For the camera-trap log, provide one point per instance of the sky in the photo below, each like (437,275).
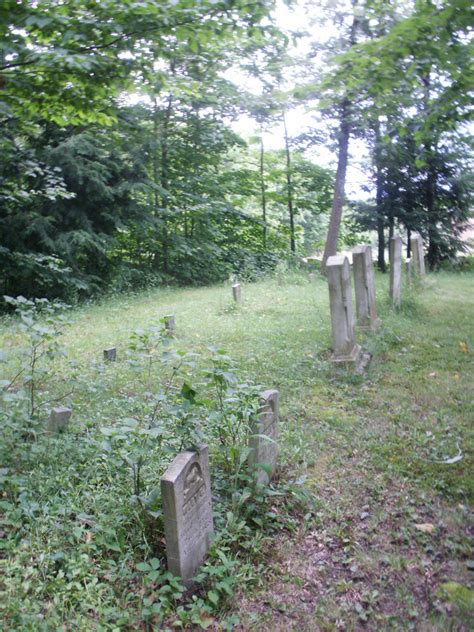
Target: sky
(299,120)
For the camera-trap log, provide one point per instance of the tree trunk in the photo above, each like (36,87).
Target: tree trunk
(263,190)
(338,199)
(379,202)
(289,185)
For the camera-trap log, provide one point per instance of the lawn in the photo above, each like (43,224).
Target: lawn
(367,525)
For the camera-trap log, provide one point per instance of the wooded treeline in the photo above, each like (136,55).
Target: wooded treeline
(119,167)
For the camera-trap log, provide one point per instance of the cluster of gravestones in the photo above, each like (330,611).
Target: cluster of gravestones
(345,348)
(186,484)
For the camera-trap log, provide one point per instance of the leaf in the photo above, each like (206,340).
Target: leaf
(213,597)
(188,393)
(462,346)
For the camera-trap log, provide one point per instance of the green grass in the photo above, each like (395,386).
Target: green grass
(373,444)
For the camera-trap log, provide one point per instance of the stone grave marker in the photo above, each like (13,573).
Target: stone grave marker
(170,323)
(110,354)
(187,508)
(236,292)
(396,270)
(338,273)
(264,451)
(364,284)
(409,271)
(418,254)
(59,418)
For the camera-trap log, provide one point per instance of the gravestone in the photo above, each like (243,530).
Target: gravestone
(396,270)
(312,277)
(170,323)
(59,418)
(417,254)
(338,273)
(187,508)
(264,451)
(236,292)
(364,285)
(110,354)
(409,271)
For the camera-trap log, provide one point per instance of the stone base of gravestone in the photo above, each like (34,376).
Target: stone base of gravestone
(59,419)
(363,362)
(353,358)
(187,510)
(263,441)
(110,354)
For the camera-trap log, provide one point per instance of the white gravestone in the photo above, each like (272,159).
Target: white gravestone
(418,254)
(364,285)
(110,354)
(236,292)
(170,323)
(59,418)
(187,508)
(263,441)
(409,271)
(396,270)
(338,273)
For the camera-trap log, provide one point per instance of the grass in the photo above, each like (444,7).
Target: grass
(374,450)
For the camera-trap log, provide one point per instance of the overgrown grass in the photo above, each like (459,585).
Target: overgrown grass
(75,538)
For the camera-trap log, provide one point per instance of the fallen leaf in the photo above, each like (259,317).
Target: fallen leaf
(462,346)
(425,527)
(433,374)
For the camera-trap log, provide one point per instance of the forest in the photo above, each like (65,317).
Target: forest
(120,167)
(236,298)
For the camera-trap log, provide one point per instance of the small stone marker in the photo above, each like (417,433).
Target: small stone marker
(409,271)
(396,270)
(110,354)
(364,285)
(187,508)
(418,254)
(312,277)
(338,272)
(236,292)
(265,451)
(59,418)
(170,323)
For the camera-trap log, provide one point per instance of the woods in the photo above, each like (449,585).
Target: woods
(120,167)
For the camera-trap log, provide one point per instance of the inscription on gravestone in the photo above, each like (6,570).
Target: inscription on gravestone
(265,450)
(187,508)
(338,273)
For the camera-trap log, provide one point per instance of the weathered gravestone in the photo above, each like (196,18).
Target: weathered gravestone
(409,271)
(110,354)
(418,254)
(263,441)
(170,323)
(338,273)
(59,418)
(396,270)
(236,292)
(364,285)
(187,508)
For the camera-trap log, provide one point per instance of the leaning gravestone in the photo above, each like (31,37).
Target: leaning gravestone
(110,354)
(187,508)
(396,270)
(236,292)
(59,418)
(170,323)
(263,441)
(418,254)
(364,285)
(338,273)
